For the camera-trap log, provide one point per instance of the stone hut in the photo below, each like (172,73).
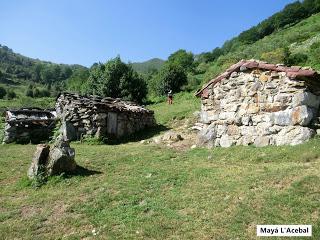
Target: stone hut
(28,125)
(100,117)
(254,102)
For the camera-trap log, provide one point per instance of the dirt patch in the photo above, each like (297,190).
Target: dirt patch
(30,211)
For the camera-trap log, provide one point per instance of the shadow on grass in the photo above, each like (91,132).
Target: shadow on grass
(82,172)
(41,179)
(140,135)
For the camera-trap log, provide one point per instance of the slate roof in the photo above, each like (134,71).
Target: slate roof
(106,103)
(292,72)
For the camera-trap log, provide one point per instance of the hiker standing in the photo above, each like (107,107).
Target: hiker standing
(170,97)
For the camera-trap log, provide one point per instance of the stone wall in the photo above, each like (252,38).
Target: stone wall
(254,106)
(28,125)
(100,117)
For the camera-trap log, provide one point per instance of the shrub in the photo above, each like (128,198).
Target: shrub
(3,92)
(29,93)
(11,94)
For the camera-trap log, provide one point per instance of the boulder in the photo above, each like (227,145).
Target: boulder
(39,161)
(48,162)
(61,159)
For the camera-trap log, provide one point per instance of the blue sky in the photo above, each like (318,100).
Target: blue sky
(84,32)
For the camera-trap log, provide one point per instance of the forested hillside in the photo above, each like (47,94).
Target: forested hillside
(148,66)
(14,66)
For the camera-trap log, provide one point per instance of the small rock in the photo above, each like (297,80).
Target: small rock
(172,136)
(193,146)
(157,139)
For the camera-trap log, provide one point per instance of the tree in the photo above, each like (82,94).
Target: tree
(170,77)
(3,92)
(116,79)
(182,58)
(292,13)
(133,87)
(311,6)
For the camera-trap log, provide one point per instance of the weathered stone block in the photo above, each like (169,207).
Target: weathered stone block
(301,115)
(226,141)
(221,129)
(253,108)
(227,116)
(262,141)
(207,135)
(306,98)
(293,135)
(204,117)
(246,120)
(233,130)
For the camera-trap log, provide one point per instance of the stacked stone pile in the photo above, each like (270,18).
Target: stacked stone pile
(261,104)
(90,116)
(28,125)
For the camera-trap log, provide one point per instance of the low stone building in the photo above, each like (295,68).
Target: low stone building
(100,117)
(254,102)
(28,125)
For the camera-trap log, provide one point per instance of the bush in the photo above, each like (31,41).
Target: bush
(11,94)
(297,59)
(29,93)
(276,56)
(3,92)
(36,93)
(39,93)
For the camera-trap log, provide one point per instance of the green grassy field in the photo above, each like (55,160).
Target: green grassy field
(145,191)
(149,192)
(184,105)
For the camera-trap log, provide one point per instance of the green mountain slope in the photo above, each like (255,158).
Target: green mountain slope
(295,45)
(144,67)
(16,69)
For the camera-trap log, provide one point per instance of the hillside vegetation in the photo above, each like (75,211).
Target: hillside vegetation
(148,66)
(295,45)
